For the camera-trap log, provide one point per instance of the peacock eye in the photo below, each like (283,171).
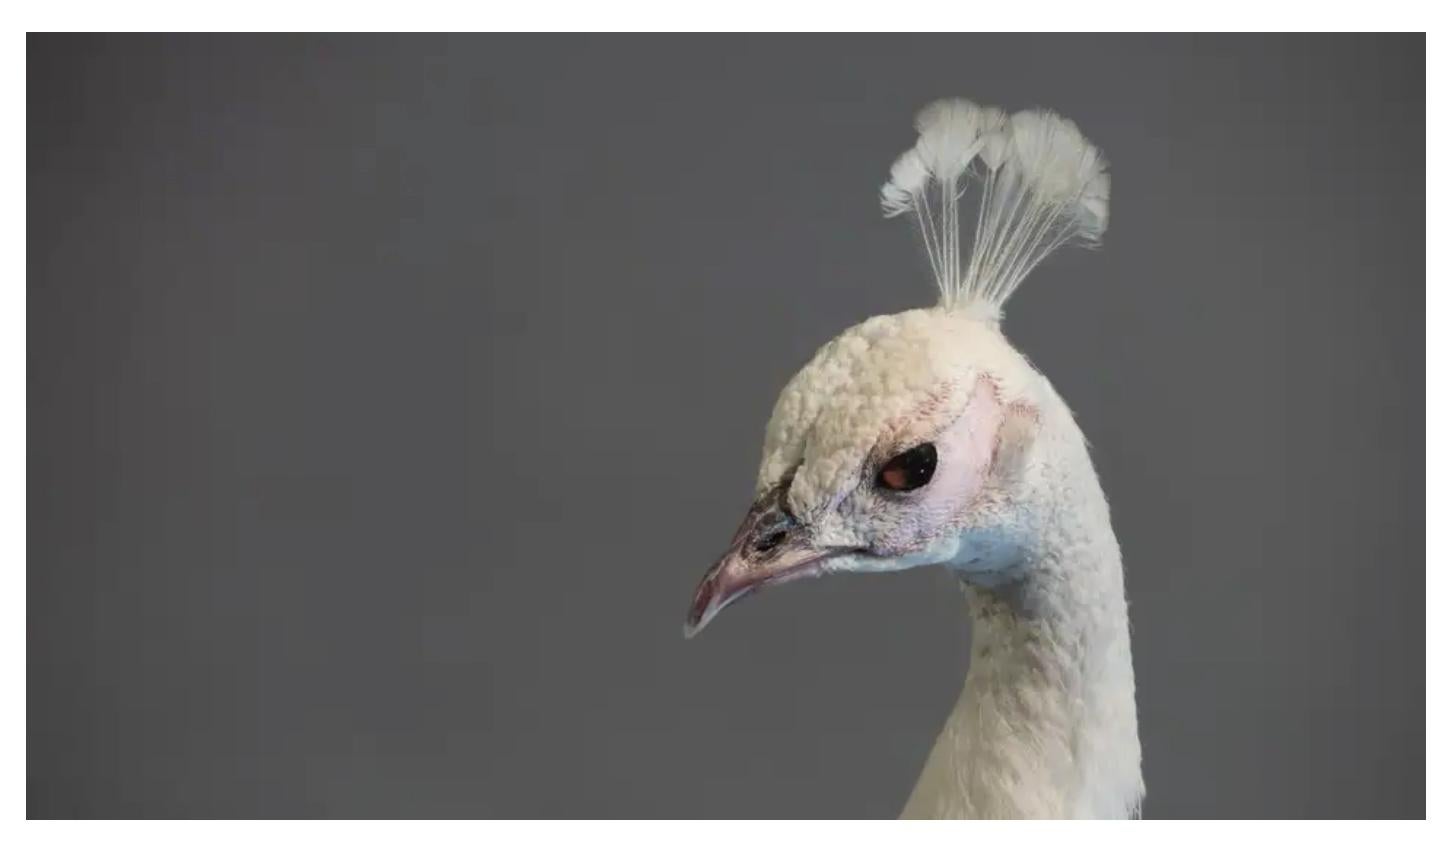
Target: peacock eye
(909,470)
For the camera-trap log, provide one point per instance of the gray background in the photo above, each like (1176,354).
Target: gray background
(388,396)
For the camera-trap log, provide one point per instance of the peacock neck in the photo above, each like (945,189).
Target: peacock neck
(1046,725)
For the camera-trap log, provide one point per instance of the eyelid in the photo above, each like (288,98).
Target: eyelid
(896,443)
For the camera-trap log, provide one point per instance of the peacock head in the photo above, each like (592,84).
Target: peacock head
(920,438)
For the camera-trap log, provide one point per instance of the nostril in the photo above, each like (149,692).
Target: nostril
(770,541)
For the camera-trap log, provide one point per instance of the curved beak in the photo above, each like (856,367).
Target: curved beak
(770,547)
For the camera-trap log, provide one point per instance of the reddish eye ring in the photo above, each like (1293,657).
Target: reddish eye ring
(909,470)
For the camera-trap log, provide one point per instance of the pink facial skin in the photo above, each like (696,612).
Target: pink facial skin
(966,448)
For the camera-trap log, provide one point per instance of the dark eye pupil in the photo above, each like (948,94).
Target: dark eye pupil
(911,469)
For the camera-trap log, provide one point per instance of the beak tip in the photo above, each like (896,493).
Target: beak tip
(696,621)
(703,606)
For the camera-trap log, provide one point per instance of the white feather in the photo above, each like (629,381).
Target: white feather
(909,176)
(1040,185)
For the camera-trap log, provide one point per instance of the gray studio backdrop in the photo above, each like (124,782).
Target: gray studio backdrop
(388,396)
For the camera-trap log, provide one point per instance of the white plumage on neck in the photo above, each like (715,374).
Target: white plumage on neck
(1046,724)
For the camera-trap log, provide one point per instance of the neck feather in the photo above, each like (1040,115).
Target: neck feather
(1046,724)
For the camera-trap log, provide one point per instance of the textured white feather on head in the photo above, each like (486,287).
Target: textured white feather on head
(943,375)
(913,439)
(880,387)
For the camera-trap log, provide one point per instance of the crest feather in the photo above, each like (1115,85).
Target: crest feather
(1039,184)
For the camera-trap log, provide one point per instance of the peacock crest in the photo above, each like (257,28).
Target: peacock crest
(1039,184)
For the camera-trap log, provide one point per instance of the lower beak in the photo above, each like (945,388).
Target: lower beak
(770,547)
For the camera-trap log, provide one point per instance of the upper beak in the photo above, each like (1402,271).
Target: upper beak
(770,547)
